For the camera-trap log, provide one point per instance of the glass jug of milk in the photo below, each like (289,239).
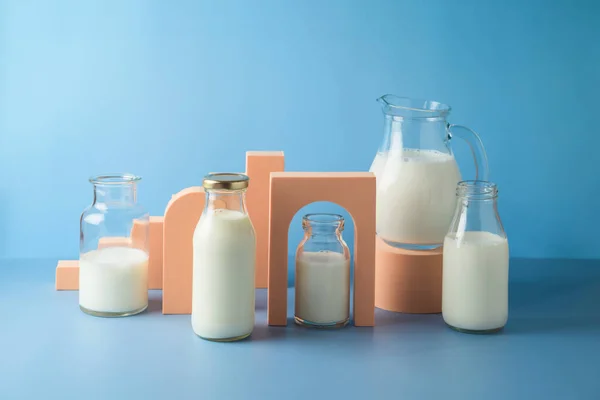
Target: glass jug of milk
(224,247)
(475,278)
(322,273)
(416,172)
(113,260)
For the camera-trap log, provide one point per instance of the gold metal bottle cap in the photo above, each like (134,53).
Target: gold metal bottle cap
(226,181)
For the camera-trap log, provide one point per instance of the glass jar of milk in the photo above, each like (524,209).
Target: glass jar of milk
(475,262)
(322,273)
(224,262)
(417,173)
(113,261)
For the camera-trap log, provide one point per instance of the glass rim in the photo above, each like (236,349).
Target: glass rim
(114,178)
(323,218)
(477,189)
(414,104)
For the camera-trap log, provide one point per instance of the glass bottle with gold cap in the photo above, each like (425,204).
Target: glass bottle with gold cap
(224,262)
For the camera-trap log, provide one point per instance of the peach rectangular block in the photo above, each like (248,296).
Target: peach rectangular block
(259,165)
(153,240)
(290,191)
(67,275)
(115,241)
(139,234)
(67,271)
(155,263)
(138,239)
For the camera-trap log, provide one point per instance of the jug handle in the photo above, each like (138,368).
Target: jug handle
(476,145)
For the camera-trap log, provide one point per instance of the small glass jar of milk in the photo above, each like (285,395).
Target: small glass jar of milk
(475,262)
(322,273)
(113,261)
(224,261)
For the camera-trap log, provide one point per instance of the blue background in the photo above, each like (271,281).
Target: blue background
(172,90)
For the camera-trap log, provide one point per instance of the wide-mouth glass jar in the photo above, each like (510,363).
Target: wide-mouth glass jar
(113,260)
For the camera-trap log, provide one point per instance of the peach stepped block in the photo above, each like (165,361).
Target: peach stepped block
(67,275)
(66,269)
(182,215)
(290,191)
(408,281)
(259,165)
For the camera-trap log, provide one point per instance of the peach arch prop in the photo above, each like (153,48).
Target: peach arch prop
(181,216)
(355,191)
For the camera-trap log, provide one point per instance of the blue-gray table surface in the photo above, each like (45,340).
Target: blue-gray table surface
(550,348)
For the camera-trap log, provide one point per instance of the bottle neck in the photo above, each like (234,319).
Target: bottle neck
(234,200)
(323,227)
(125,193)
(473,205)
(477,208)
(478,215)
(323,234)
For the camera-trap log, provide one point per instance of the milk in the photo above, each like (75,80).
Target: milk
(322,287)
(415,196)
(475,281)
(223,275)
(114,280)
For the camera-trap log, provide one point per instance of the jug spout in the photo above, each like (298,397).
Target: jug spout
(386,99)
(406,107)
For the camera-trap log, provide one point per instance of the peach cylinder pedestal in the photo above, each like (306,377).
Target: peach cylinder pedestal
(408,281)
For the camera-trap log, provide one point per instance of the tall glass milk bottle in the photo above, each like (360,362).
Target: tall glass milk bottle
(322,273)
(224,261)
(417,173)
(113,261)
(475,262)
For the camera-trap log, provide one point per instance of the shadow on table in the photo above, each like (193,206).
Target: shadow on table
(308,335)
(154,302)
(554,296)
(540,325)
(543,281)
(261,300)
(386,324)
(545,296)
